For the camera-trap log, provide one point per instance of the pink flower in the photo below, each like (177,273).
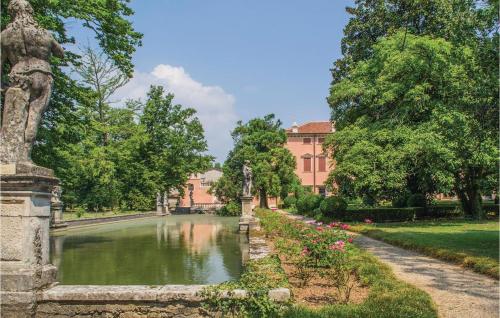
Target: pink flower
(319,228)
(338,246)
(350,240)
(305,251)
(344,226)
(319,223)
(368,221)
(333,224)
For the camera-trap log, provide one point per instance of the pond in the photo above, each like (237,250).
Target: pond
(176,249)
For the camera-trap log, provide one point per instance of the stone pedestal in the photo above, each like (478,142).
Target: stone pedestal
(246,214)
(25,192)
(56,216)
(159,210)
(165,210)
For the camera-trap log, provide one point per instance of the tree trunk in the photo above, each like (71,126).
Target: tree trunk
(470,196)
(263,199)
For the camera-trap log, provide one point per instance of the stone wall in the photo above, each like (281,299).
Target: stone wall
(128,301)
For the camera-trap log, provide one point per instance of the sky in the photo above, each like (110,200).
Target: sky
(236,60)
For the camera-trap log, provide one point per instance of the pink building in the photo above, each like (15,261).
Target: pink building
(305,142)
(199,184)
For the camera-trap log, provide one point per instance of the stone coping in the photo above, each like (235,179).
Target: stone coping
(89,221)
(138,293)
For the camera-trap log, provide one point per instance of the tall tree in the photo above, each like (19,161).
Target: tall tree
(458,21)
(101,74)
(176,145)
(261,142)
(426,112)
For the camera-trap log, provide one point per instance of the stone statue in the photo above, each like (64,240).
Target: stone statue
(56,195)
(165,199)
(191,198)
(27,47)
(158,199)
(247,179)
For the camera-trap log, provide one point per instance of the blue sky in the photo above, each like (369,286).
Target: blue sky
(235,60)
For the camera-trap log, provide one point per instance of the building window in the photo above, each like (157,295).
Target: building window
(307,141)
(321,164)
(307,164)
(321,140)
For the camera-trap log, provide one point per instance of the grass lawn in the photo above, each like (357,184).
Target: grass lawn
(68,216)
(472,244)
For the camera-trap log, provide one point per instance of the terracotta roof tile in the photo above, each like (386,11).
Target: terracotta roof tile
(315,127)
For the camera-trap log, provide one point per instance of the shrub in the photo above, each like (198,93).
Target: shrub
(289,202)
(416,200)
(230,209)
(400,201)
(333,206)
(380,214)
(308,202)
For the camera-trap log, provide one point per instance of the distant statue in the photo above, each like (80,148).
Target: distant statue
(191,198)
(27,47)
(158,199)
(56,195)
(247,179)
(165,199)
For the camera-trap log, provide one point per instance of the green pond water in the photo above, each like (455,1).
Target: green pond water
(177,249)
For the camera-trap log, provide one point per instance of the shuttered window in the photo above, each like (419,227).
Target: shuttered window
(307,164)
(321,164)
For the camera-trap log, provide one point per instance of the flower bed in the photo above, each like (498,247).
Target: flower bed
(357,285)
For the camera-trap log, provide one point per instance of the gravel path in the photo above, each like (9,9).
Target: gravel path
(456,291)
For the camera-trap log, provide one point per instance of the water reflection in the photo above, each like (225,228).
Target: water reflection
(180,249)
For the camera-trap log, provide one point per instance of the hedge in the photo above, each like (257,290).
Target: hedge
(380,214)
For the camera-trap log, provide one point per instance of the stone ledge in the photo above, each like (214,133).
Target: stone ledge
(138,293)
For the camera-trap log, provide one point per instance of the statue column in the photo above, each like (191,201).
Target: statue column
(56,209)
(25,189)
(25,195)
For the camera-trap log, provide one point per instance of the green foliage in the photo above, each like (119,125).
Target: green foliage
(332,206)
(423,119)
(308,203)
(259,277)
(230,209)
(378,214)
(417,200)
(260,141)
(289,202)
(416,104)
(142,154)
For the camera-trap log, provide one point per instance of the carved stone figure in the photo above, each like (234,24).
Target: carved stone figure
(158,199)
(56,195)
(247,179)
(165,199)
(27,47)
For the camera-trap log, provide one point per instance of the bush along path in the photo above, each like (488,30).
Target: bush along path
(456,291)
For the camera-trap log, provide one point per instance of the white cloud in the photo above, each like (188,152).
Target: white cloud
(214,106)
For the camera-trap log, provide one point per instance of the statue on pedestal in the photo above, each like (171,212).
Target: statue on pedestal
(28,48)
(26,190)
(247,179)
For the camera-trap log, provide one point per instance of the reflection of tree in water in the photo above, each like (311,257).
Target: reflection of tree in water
(181,252)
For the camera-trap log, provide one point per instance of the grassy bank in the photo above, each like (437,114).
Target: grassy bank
(387,297)
(474,245)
